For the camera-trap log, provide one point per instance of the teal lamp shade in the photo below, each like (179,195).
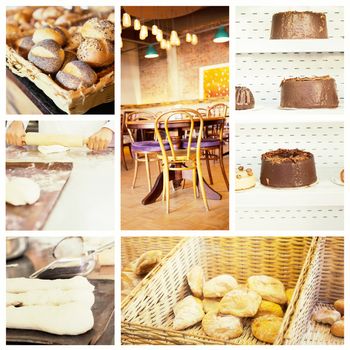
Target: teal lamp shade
(221,36)
(151,52)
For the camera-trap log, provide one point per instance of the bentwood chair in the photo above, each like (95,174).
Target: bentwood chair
(142,151)
(184,159)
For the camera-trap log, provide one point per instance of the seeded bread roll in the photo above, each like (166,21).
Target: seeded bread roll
(75,75)
(24,45)
(98,29)
(96,53)
(53,33)
(47,55)
(74,41)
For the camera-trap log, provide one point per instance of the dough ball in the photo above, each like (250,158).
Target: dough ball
(22,191)
(52,149)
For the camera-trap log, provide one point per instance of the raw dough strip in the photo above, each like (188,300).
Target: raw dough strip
(67,319)
(21,285)
(38,139)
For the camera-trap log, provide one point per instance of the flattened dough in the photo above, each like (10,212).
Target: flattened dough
(67,319)
(52,149)
(21,191)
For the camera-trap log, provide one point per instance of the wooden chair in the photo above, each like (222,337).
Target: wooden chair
(122,143)
(142,151)
(176,159)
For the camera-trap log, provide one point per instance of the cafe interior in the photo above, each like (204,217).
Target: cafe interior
(174,117)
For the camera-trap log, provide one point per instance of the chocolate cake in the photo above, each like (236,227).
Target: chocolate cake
(244,98)
(299,25)
(314,92)
(287,168)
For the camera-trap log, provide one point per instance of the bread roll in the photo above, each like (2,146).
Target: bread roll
(74,41)
(211,304)
(195,279)
(326,316)
(42,14)
(218,286)
(188,312)
(96,28)
(339,306)
(47,55)
(24,45)
(337,329)
(69,56)
(222,326)
(67,19)
(53,33)
(289,294)
(269,288)
(76,75)
(269,308)
(265,328)
(147,261)
(111,17)
(13,32)
(22,17)
(96,53)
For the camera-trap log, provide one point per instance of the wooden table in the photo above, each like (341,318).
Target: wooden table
(178,125)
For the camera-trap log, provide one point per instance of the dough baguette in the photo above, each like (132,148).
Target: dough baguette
(218,286)
(195,279)
(51,297)
(21,284)
(39,139)
(67,319)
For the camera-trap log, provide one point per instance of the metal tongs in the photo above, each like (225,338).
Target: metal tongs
(71,260)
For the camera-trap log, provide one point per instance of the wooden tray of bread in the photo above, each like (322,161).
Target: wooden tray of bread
(51,178)
(103,312)
(68,54)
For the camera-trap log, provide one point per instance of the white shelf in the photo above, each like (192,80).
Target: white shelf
(307,45)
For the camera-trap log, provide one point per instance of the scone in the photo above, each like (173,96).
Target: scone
(211,304)
(195,279)
(245,179)
(147,261)
(188,312)
(218,286)
(269,288)
(222,326)
(240,302)
(269,308)
(265,328)
(326,316)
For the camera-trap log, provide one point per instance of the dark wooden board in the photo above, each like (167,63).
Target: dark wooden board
(103,311)
(51,177)
(44,103)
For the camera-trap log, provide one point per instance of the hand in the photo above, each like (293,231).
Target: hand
(100,140)
(15,134)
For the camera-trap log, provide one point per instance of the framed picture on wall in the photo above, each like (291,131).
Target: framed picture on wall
(214,81)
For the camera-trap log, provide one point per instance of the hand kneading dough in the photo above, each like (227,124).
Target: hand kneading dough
(67,319)
(147,261)
(269,308)
(52,149)
(21,284)
(51,297)
(266,328)
(195,279)
(269,288)
(188,312)
(326,316)
(218,286)
(222,326)
(240,302)
(21,191)
(211,304)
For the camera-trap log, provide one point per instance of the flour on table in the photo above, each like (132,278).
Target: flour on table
(21,191)
(52,149)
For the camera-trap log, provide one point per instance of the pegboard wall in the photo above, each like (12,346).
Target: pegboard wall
(324,140)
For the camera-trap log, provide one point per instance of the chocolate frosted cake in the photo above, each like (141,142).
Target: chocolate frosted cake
(314,92)
(244,98)
(299,25)
(287,168)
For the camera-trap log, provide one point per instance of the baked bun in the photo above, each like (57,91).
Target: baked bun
(67,19)
(289,294)
(24,45)
(22,17)
(42,13)
(13,32)
(69,56)
(98,29)
(218,286)
(326,316)
(269,288)
(337,329)
(53,33)
(195,279)
(47,55)
(188,312)
(269,308)
(339,306)
(147,261)
(265,328)
(222,326)
(74,41)
(111,17)
(96,53)
(211,304)
(75,75)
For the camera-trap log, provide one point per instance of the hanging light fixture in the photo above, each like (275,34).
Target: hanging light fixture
(168,45)
(178,42)
(163,44)
(151,52)
(154,29)
(143,32)
(221,35)
(159,35)
(194,39)
(173,37)
(188,37)
(137,24)
(126,20)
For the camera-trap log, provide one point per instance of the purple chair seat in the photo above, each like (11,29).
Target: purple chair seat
(205,143)
(148,146)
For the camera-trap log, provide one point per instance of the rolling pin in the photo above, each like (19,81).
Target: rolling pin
(37,139)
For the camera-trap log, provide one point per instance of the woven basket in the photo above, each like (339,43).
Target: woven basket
(324,283)
(147,317)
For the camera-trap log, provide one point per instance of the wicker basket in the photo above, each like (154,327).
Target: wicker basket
(324,283)
(147,317)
